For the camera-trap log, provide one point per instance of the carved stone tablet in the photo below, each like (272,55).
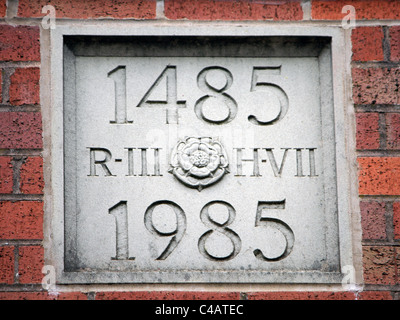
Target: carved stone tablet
(200,159)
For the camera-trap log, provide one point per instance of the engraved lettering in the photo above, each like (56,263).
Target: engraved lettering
(221,228)
(274,223)
(256,171)
(120,212)
(119,76)
(102,163)
(311,156)
(218,228)
(144,161)
(215,98)
(157,162)
(239,163)
(257,85)
(171,101)
(311,159)
(176,234)
(189,163)
(130,162)
(277,171)
(299,163)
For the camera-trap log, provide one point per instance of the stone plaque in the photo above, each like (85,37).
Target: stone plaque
(199,159)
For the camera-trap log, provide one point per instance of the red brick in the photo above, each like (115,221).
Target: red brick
(396,219)
(69,296)
(376,86)
(233,10)
(380,265)
(42,295)
(3,8)
(365,9)
(21,220)
(21,130)
(6,175)
(394,35)
(393,131)
(31,176)
(167,295)
(30,264)
(301,295)
(7,265)
(19,43)
(368,136)
(397,257)
(19,295)
(375,295)
(24,87)
(90,9)
(379,175)
(373,220)
(1,86)
(367,44)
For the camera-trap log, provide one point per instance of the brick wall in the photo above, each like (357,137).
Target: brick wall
(376,96)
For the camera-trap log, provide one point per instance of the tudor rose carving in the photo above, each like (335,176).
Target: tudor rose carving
(198,162)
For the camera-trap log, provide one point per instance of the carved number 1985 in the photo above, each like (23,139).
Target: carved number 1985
(120,212)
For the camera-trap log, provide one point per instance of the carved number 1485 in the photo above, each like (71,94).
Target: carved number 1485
(120,212)
(118,75)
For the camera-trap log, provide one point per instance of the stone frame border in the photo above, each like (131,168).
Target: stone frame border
(52,104)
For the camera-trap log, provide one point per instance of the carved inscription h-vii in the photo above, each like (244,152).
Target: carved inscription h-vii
(200,162)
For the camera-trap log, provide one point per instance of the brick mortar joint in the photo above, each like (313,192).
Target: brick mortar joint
(20,197)
(386,43)
(17,162)
(37,21)
(375,64)
(11,9)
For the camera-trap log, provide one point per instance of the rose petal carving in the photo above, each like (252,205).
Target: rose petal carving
(198,162)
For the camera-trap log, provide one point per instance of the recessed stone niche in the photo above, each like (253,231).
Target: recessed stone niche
(199,155)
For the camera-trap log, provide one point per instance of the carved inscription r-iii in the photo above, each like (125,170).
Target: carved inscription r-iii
(102,162)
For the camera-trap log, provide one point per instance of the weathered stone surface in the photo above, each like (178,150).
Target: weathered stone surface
(199,160)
